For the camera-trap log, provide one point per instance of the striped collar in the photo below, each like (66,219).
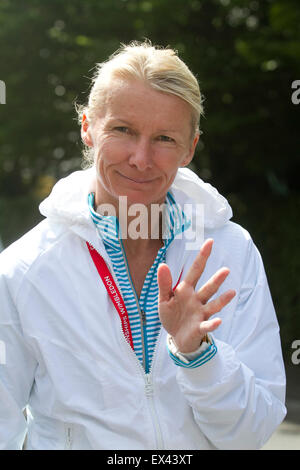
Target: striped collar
(175,222)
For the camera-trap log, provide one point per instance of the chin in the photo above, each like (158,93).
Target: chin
(138,197)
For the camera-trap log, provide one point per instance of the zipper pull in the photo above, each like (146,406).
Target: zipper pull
(148,385)
(144,320)
(69,438)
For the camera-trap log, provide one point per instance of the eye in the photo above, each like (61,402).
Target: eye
(165,138)
(122,129)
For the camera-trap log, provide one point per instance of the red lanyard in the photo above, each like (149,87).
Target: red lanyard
(113,291)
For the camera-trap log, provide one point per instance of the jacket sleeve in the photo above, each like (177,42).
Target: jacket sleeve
(238,396)
(17,368)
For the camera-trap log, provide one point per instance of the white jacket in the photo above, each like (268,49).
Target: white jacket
(67,360)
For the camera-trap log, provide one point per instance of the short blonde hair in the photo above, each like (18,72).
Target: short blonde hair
(160,67)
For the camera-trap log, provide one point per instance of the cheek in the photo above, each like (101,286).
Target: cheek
(109,153)
(168,162)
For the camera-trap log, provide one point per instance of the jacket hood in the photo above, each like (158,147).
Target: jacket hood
(217,211)
(67,202)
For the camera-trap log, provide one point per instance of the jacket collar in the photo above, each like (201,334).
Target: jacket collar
(67,203)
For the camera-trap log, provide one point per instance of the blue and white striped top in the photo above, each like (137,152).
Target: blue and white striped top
(143,312)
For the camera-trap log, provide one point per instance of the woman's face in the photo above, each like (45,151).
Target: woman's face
(140,139)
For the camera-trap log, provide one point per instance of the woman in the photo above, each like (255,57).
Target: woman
(111,337)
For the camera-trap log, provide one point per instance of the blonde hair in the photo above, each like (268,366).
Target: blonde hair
(161,68)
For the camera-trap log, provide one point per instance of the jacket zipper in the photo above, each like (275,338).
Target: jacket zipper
(142,314)
(69,437)
(147,376)
(149,394)
(149,391)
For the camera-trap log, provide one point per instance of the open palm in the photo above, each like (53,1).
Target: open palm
(185,313)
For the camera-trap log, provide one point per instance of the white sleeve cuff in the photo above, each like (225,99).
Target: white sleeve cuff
(187,357)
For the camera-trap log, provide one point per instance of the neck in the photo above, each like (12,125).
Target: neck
(141,225)
(140,246)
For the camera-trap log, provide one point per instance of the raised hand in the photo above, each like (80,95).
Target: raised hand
(185,313)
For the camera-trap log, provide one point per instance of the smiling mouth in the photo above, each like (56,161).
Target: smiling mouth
(136,180)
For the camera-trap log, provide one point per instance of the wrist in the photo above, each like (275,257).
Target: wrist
(186,357)
(191,347)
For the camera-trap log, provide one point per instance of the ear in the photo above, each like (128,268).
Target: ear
(85,132)
(189,156)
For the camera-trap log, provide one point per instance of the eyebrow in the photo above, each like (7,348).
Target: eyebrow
(121,120)
(168,130)
(130,124)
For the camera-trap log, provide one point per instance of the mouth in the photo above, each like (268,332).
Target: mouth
(137,180)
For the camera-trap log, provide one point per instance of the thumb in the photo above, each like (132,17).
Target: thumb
(164,281)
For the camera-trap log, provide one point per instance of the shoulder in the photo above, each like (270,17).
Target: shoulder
(235,248)
(17,259)
(231,236)
(210,216)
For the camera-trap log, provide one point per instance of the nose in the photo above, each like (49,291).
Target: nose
(141,154)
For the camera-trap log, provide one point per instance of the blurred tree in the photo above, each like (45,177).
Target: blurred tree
(245,55)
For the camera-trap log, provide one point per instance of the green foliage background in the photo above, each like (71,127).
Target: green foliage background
(245,55)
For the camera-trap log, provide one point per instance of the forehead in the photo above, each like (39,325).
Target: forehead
(138,101)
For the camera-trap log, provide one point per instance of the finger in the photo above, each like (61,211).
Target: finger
(208,326)
(216,305)
(164,281)
(212,285)
(199,264)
